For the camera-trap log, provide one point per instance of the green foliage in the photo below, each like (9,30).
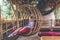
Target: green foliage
(6,10)
(58,13)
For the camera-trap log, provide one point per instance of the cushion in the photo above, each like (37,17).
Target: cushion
(49,33)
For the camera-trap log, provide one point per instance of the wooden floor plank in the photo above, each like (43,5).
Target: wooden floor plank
(51,38)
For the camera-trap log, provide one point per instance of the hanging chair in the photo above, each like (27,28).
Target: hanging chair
(27,10)
(33,12)
(30,10)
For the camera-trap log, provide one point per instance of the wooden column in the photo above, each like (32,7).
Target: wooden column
(0,25)
(17,7)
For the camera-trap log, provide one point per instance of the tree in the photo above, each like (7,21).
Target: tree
(6,9)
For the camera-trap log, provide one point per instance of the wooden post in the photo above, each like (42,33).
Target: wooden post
(6,25)
(0,25)
(17,16)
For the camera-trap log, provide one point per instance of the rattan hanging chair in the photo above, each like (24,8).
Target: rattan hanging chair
(34,12)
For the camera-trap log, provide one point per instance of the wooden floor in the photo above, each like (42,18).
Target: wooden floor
(41,38)
(28,38)
(33,37)
(51,38)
